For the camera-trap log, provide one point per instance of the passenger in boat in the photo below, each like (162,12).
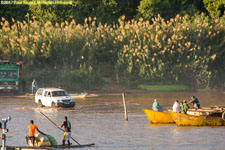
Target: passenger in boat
(67,134)
(184,107)
(176,107)
(31,134)
(194,102)
(156,106)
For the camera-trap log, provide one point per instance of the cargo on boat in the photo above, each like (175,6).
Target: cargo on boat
(213,116)
(158,117)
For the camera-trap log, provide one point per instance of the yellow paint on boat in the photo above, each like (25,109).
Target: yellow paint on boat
(158,117)
(189,120)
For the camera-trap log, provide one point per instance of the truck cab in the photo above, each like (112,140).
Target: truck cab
(10,72)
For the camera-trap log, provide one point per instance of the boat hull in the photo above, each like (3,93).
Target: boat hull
(189,120)
(158,117)
(47,147)
(78,95)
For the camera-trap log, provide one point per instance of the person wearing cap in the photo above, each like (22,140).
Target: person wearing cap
(184,107)
(156,106)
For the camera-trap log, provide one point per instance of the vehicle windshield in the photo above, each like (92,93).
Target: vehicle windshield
(59,93)
(6,74)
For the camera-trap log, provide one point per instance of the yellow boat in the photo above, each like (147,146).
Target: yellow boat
(158,117)
(199,118)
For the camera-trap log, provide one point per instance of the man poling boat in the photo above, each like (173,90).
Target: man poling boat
(67,146)
(67,128)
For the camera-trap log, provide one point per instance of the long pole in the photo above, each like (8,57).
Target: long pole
(125,108)
(57,126)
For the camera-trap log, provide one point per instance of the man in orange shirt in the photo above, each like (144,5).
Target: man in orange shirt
(31,134)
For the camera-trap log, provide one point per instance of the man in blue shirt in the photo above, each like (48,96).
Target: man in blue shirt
(34,86)
(156,106)
(195,102)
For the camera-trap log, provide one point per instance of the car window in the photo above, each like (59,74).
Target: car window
(39,92)
(46,92)
(49,94)
(59,93)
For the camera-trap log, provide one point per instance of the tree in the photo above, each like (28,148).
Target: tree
(103,10)
(215,7)
(169,8)
(52,13)
(18,12)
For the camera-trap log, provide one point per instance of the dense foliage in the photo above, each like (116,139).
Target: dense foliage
(182,50)
(153,42)
(108,11)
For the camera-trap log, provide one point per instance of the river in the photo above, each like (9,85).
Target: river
(100,120)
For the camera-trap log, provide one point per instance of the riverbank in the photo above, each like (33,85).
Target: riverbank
(112,88)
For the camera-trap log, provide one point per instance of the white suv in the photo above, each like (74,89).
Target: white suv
(53,97)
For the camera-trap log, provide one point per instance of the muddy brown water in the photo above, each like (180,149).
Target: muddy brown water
(100,120)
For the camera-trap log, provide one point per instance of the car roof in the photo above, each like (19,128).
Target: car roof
(51,89)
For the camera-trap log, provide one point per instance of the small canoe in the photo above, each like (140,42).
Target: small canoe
(84,95)
(158,117)
(48,147)
(78,95)
(209,119)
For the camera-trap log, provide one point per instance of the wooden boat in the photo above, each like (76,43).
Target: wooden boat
(158,117)
(84,95)
(200,117)
(48,147)
(78,95)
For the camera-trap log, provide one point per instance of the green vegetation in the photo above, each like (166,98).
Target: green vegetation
(169,8)
(77,80)
(175,46)
(165,87)
(34,2)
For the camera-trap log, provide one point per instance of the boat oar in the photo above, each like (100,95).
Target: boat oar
(57,126)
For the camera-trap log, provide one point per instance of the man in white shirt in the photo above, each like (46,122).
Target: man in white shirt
(176,107)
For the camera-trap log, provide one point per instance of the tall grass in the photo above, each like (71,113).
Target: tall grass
(183,50)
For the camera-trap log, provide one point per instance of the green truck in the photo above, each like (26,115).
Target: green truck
(10,75)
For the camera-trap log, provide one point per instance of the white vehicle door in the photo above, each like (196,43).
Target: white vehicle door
(47,98)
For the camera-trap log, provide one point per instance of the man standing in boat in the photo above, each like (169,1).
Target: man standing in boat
(31,134)
(67,131)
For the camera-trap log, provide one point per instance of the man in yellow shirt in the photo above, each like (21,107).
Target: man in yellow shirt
(31,134)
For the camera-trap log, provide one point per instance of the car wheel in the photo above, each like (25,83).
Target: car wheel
(53,105)
(40,103)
